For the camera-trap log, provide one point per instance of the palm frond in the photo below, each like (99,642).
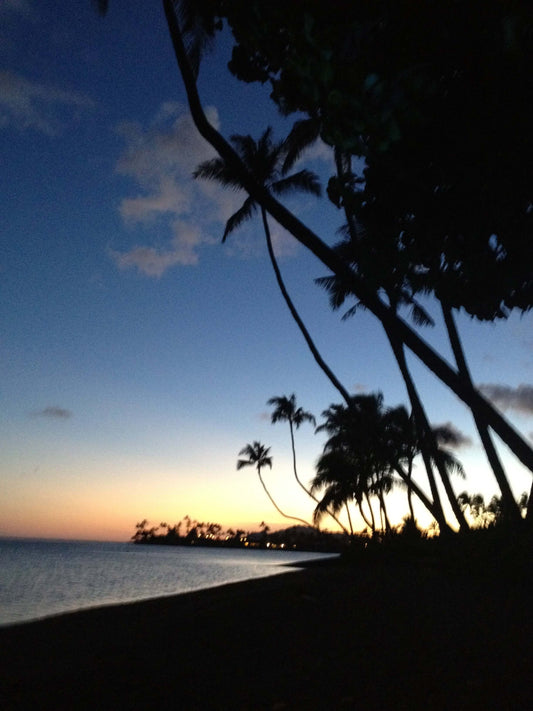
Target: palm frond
(420,316)
(246,147)
(303,134)
(216,169)
(238,218)
(338,292)
(352,311)
(300,416)
(197,30)
(304,180)
(329,502)
(452,464)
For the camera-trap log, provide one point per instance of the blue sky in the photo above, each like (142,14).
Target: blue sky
(137,352)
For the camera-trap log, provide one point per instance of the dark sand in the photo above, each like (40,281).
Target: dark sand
(394,636)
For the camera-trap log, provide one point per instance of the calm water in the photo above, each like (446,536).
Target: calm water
(40,578)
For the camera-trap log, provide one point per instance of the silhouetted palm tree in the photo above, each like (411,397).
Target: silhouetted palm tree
(367,446)
(342,482)
(356,455)
(257,456)
(285,410)
(267,162)
(429,449)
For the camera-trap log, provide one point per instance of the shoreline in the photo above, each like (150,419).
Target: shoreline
(277,570)
(328,636)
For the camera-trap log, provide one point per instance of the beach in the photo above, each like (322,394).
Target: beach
(387,635)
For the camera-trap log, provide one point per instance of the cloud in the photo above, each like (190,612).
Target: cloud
(160,159)
(448,435)
(53,412)
(153,261)
(25,104)
(284,244)
(519,399)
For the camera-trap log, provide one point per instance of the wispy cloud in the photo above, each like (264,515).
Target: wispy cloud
(519,399)
(154,261)
(160,159)
(27,104)
(53,412)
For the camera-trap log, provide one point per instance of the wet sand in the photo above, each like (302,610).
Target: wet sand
(331,636)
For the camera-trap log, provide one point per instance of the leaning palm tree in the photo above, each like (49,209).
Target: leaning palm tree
(267,161)
(182,39)
(257,455)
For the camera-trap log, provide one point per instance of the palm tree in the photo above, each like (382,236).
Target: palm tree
(257,456)
(269,164)
(335,476)
(367,446)
(356,462)
(286,411)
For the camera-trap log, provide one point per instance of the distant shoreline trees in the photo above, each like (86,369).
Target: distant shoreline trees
(190,532)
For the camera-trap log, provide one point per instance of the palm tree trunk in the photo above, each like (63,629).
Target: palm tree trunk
(422,426)
(371,510)
(349,519)
(293,518)
(364,292)
(529,511)
(415,489)
(410,489)
(388,527)
(294,313)
(363,515)
(511,511)
(309,493)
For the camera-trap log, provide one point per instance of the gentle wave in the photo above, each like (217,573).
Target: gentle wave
(39,578)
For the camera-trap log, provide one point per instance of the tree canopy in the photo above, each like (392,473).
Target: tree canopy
(438,100)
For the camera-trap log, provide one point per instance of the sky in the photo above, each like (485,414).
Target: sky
(137,352)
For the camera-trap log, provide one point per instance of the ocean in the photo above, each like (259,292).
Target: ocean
(39,578)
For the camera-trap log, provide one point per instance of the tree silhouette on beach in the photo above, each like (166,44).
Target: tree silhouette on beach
(285,410)
(453,198)
(368,450)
